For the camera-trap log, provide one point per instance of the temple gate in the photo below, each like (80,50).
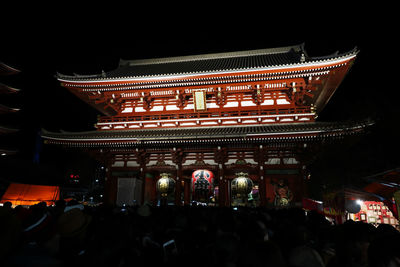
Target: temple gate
(249,112)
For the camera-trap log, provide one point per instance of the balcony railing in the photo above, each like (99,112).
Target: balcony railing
(160,116)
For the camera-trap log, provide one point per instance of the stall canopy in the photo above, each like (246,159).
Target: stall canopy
(384,184)
(27,194)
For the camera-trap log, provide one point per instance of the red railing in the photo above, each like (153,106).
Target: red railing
(199,115)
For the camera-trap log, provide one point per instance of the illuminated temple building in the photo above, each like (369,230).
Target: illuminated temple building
(248,113)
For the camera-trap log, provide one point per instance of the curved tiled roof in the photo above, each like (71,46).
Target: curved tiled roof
(177,134)
(236,54)
(208,63)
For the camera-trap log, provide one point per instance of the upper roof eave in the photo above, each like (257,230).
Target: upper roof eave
(307,62)
(336,54)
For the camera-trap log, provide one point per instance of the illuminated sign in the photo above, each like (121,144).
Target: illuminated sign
(199,100)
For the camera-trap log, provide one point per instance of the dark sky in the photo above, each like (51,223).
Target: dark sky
(368,91)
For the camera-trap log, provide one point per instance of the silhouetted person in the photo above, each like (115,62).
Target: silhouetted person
(384,250)
(7,205)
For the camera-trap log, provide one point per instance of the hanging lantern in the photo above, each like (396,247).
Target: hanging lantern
(202,182)
(165,185)
(242,185)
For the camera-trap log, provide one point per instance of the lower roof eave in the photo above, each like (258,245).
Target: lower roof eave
(213,135)
(195,141)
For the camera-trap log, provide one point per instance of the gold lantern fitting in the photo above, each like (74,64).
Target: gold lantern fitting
(242,185)
(165,185)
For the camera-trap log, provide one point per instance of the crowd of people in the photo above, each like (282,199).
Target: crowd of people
(70,234)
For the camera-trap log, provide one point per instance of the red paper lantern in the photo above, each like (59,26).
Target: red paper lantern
(202,180)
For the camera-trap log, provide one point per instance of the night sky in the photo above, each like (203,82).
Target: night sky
(368,91)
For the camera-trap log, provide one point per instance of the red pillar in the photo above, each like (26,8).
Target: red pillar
(178,186)
(143,178)
(227,199)
(111,186)
(262,188)
(187,191)
(221,188)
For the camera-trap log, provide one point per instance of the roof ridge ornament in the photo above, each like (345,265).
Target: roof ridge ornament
(302,58)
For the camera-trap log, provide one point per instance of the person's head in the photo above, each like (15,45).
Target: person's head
(260,254)
(60,203)
(72,202)
(42,204)
(7,205)
(73,224)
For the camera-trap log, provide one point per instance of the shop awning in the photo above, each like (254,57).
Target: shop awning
(383,189)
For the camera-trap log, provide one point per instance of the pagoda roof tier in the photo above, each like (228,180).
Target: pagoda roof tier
(7,70)
(6,130)
(212,135)
(5,152)
(5,109)
(5,89)
(270,58)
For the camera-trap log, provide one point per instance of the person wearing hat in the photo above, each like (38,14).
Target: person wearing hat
(144,210)
(37,226)
(72,227)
